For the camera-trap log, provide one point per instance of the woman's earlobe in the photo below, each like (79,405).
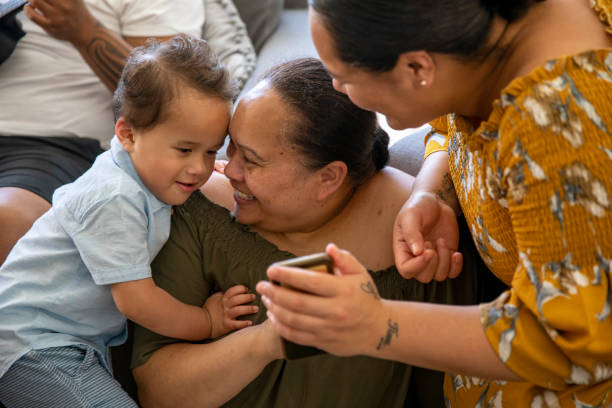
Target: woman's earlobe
(419,66)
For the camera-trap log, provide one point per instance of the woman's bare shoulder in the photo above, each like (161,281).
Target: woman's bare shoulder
(390,184)
(219,190)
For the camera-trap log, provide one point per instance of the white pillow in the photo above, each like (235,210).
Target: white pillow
(227,35)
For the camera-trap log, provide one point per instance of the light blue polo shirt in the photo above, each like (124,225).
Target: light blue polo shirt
(105,227)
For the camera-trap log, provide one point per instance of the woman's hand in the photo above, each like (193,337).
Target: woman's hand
(341,313)
(425,239)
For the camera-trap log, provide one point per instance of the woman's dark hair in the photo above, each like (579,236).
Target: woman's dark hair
(329,126)
(371,34)
(154,73)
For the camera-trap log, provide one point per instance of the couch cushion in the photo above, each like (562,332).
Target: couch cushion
(290,40)
(227,35)
(261,18)
(407,153)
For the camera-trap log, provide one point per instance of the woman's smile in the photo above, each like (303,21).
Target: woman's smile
(241,197)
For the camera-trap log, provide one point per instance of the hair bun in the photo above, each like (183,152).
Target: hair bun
(380,148)
(509,10)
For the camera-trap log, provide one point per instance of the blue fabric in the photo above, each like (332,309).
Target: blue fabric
(104,228)
(61,377)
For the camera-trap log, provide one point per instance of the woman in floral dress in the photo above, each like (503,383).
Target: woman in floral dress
(523,148)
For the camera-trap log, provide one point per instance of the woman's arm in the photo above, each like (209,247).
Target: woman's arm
(425,233)
(348,318)
(206,375)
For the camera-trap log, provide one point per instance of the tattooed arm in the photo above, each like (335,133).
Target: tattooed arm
(348,317)
(69,20)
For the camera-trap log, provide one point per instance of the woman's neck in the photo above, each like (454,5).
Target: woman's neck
(549,30)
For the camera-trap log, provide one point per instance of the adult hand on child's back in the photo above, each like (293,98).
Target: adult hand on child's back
(61,19)
(225,308)
(425,240)
(341,313)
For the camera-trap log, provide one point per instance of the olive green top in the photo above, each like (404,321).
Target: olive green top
(209,251)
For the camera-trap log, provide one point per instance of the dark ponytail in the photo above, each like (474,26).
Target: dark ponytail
(380,149)
(371,34)
(328,126)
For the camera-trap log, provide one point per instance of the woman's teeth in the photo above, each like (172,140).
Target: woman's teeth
(244,196)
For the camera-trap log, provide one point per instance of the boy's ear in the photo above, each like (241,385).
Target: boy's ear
(331,177)
(125,134)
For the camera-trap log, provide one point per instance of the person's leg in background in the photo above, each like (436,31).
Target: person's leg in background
(19,209)
(31,168)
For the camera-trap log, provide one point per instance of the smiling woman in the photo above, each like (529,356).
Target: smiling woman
(306,167)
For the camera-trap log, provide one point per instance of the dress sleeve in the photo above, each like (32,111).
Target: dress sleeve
(553,327)
(178,269)
(160,18)
(437,138)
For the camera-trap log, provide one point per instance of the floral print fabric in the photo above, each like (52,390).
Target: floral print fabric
(535,185)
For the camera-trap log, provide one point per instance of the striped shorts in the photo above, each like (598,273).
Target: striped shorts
(61,377)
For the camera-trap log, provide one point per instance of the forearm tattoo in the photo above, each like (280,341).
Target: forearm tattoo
(368,287)
(106,54)
(392,329)
(447,192)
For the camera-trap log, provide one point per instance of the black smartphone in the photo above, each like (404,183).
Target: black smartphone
(320,262)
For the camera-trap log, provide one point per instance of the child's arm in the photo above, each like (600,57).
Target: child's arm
(152,307)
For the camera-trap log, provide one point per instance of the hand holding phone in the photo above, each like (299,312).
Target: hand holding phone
(320,262)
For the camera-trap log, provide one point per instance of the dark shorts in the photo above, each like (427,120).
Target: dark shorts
(42,164)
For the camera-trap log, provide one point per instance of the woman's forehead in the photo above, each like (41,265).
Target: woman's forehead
(261,110)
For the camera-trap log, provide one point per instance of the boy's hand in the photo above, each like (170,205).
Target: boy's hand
(226,307)
(220,166)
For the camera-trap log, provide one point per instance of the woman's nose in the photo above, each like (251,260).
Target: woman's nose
(233,170)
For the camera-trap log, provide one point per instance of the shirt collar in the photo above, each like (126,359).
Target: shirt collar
(123,160)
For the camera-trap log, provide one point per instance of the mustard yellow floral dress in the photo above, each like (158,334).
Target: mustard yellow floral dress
(535,185)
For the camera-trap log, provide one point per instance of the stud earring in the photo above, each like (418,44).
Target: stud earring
(423,82)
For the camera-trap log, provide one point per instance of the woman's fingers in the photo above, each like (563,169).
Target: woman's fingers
(290,333)
(305,280)
(344,261)
(456,265)
(296,320)
(286,298)
(444,261)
